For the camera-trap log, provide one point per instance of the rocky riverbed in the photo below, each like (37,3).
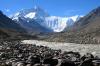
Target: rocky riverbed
(40,53)
(82,48)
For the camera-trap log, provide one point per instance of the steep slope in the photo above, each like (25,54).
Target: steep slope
(7,23)
(8,27)
(90,22)
(86,30)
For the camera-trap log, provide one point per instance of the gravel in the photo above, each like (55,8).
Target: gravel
(82,48)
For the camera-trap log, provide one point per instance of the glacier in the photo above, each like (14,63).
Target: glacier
(57,24)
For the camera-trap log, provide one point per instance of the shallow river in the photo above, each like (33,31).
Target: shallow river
(82,48)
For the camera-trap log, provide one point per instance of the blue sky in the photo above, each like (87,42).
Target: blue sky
(53,7)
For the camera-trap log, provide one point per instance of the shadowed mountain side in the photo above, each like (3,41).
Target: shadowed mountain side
(9,29)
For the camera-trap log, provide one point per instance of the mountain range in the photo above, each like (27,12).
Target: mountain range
(39,24)
(36,20)
(33,21)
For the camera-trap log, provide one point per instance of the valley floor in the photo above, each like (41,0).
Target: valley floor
(82,48)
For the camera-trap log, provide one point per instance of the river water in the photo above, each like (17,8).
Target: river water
(82,48)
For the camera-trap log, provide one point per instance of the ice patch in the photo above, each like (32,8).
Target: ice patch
(30,15)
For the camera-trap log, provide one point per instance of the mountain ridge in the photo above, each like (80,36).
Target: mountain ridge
(9,28)
(53,23)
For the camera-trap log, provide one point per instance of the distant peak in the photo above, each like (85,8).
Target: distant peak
(96,10)
(98,7)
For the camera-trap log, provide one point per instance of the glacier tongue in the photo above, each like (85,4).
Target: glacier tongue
(57,24)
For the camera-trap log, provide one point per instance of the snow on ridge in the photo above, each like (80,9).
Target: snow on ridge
(17,14)
(76,17)
(30,15)
(15,18)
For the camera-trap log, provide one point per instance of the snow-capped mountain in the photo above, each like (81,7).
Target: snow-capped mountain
(29,14)
(32,19)
(58,24)
(36,19)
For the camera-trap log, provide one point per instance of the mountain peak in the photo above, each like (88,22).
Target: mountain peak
(33,13)
(96,11)
(98,8)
